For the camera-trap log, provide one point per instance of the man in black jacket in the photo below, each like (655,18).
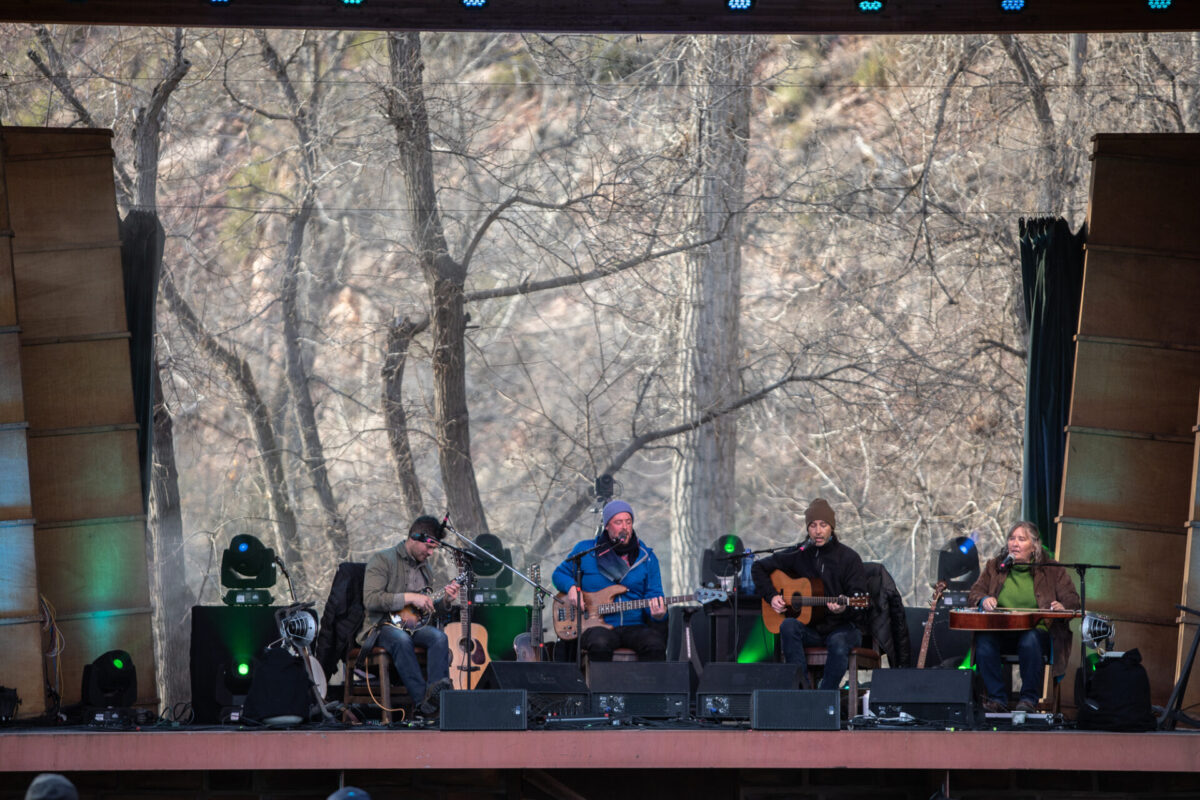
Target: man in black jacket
(820,557)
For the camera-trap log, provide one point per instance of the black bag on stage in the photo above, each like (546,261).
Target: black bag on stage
(1118,696)
(280,687)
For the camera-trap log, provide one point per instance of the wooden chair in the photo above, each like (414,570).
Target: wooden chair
(860,658)
(381,687)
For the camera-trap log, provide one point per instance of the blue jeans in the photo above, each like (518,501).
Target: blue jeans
(1030,646)
(794,635)
(399,645)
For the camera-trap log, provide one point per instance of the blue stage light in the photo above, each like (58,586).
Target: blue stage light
(474,3)
(739,5)
(352,2)
(1012,6)
(870,6)
(1158,5)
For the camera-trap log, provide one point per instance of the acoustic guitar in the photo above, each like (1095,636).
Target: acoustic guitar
(528,645)
(468,649)
(937,595)
(1004,619)
(805,599)
(569,624)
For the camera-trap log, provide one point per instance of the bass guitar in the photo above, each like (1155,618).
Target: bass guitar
(937,595)
(528,645)
(569,623)
(412,618)
(805,599)
(1004,619)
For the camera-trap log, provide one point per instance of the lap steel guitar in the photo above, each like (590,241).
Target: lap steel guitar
(1004,619)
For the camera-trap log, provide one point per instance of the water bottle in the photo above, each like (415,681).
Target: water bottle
(747,583)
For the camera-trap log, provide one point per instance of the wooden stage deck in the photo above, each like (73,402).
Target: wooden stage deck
(73,750)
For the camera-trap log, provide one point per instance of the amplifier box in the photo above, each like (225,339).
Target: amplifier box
(726,689)
(796,710)
(649,689)
(484,710)
(945,696)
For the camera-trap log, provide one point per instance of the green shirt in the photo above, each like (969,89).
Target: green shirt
(1017,591)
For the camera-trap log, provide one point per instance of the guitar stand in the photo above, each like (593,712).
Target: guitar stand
(1173,712)
(689,644)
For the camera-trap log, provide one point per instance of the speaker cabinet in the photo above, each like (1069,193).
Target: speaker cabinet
(930,695)
(484,710)
(796,710)
(553,689)
(224,637)
(649,689)
(726,688)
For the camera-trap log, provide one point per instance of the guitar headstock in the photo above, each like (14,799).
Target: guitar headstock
(937,591)
(706,596)
(859,601)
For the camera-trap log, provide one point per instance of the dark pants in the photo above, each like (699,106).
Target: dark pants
(399,645)
(647,641)
(1030,647)
(794,635)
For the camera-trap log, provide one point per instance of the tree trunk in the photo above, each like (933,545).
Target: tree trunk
(444,277)
(400,335)
(703,479)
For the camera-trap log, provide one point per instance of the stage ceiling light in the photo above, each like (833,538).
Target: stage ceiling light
(474,3)
(110,681)
(1012,6)
(739,5)
(870,6)
(1158,5)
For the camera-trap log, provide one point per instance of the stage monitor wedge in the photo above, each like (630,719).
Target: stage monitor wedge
(553,689)
(646,689)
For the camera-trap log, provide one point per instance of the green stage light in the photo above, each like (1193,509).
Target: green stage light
(243,669)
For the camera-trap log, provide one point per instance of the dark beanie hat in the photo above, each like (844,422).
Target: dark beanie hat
(820,509)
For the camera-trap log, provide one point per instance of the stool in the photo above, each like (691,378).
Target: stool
(362,692)
(860,658)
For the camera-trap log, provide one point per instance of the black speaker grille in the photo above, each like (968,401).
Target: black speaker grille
(484,710)
(796,710)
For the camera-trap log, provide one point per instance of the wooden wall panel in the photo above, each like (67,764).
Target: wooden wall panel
(1127,387)
(95,635)
(12,401)
(8,297)
(1140,296)
(1141,192)
(14,474)
(93,565)
(70,293)
(18,579)
(62,195)
(1145,586)
(85,476)
(21,666)
(1126,479)
(78,383)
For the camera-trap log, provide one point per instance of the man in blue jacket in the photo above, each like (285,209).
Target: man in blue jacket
(621,559)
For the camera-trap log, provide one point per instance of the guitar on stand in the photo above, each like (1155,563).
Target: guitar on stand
(528,645)
(468,643)
(937,595)
(805,600)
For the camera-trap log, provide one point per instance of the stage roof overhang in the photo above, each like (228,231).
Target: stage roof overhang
(644,16)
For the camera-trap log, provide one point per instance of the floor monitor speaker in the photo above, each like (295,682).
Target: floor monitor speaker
(484,710)
(929,695)
(553,689)
(726,688)
(648,689)
(796,710)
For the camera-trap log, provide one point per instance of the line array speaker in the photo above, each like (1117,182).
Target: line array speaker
(484,710)
(796,710)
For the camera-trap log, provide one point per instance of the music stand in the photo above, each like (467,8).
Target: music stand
(1173,712)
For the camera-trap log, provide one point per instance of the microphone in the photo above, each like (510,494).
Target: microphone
(1007,563)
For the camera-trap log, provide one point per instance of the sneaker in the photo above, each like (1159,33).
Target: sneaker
(994,706)
(1028,706)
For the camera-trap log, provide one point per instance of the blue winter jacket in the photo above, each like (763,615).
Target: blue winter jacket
(604,568)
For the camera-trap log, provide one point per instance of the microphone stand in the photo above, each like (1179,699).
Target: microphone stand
(1081,570)
(577,560)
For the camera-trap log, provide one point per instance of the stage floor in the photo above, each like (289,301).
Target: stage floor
(660,747)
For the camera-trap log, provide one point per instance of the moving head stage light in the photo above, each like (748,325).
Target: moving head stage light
(247,568)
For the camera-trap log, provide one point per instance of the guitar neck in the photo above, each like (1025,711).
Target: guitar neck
(633,605)
(816,601)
